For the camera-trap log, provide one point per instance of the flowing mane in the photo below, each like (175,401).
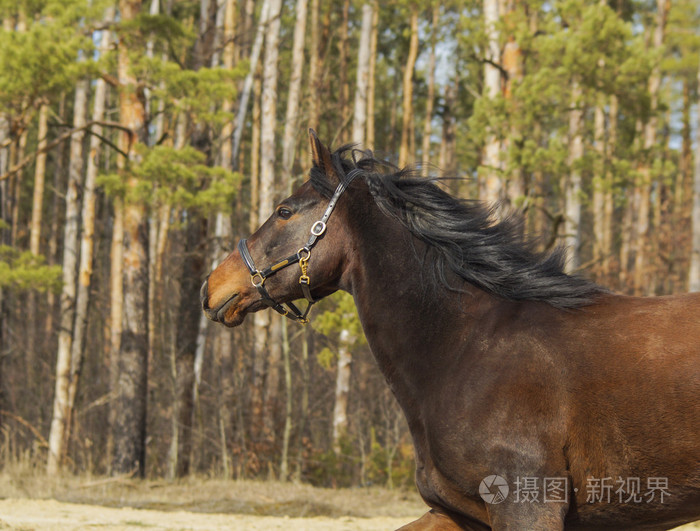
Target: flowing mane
(464,236)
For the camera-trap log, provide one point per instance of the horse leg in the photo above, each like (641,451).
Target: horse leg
(432,521)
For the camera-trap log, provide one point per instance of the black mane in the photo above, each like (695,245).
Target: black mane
(491,255)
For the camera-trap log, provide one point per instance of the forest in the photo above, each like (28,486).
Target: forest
(139,140)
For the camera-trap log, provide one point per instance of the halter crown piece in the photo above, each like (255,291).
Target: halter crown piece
(258,277)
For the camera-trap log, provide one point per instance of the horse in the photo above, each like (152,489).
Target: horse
(536,399)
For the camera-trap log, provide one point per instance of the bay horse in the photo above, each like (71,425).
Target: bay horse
(536,400)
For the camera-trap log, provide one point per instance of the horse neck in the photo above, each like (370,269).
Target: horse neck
(413,326)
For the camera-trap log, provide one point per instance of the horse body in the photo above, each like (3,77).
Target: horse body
(522,389)
(600,396)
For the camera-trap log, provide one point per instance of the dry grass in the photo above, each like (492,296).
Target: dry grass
(204,495)
(262,498)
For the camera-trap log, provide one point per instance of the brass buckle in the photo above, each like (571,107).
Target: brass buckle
(257,275)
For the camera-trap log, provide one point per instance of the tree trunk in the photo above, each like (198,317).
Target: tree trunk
(641,266)
(428,125)
(448,160)
(304,403)
(284,460)
(87,241)
(221,342)
(599,182)
(491,185)
(292,116)
(609,198)
(267,344)
(35,239)
(342,389)
(39,176)
(129,430)
(359,122)
(60,428)
(371,81)
(572,209)
(343,83)
(253,218)
(187,339)
(407,117)
(248,85)
(314,67)
(694,273)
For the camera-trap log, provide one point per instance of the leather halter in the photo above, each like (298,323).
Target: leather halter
(258,277)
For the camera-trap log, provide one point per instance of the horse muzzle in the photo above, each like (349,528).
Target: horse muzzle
(223,292)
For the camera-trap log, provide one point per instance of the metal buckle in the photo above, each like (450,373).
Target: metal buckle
(318,228)
(255,275)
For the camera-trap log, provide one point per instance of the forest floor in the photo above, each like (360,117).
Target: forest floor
(33,502)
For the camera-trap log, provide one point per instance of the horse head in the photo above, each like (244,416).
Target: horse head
(299,252)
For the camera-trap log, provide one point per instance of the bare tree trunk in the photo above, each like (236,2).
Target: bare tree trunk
(694,273)
(599,181)
(286,435)
(181,352)
(371,82)
(609,201)
(60,429)
(39,176)
(88,230)
(129,430)
(188,333)
(292,116)
(153,225)
(304,403)
(572,209)
(491,185)
(35,238)
(641,265)
(342,388)
(359,123)
(685,164)
(254,220)
(248,85)
(343,84)
(447,160)
(428,125)
(314,67)
(221,341)
(265,325)
(407,117)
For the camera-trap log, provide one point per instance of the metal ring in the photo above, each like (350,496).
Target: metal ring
(255,275)
(304,253)
(318,228)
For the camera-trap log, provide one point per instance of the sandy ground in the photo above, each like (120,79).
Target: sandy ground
(31,502)
(44,515)
(24,514)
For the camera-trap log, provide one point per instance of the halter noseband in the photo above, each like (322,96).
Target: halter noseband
(257,277)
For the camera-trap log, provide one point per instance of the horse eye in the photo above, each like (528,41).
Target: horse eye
(284,213)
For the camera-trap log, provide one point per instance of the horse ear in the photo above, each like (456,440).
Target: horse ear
(320,155)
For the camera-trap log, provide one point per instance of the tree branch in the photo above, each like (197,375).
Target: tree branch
(29,158)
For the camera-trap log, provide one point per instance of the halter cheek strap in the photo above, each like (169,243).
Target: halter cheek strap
(301,257)
(258,279)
